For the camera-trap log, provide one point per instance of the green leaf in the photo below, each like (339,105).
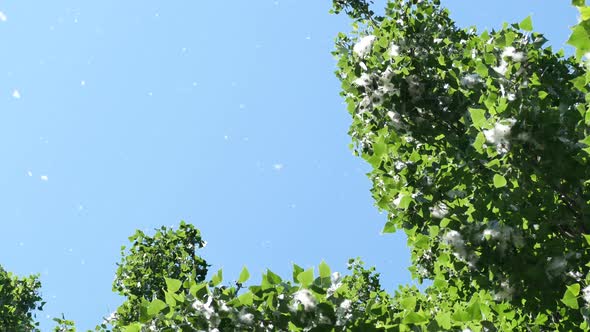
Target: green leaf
(296,270)
(579,82)
(172,285)
(580,38)
(272,277)
(415,318)
(461,316)
(574,289)
(570,300)
(246,298)
(244,275)
(324,270)
(135,327)
(155,307)
(543,94)
(481,69)
(170,300)
(305,278)
(526,24)
(389,228)
(444,320)
(499,181)
(405,201)
(217,278)
(578,3)
(408,303)
(474,311)
(478,117)
(198,290)
(480,139)
(541,319)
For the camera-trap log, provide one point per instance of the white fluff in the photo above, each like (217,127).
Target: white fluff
(306,299)
(499,135)
(364,45)
(439,211)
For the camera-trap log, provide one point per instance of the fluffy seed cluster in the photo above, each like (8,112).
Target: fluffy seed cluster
(305,298)
(439,211)
(363,47)
(500,135)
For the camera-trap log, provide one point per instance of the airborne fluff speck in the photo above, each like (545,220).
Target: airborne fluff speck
(44,178)
(16,94)
(3,17)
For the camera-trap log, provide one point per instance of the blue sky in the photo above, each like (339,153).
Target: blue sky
(124,115)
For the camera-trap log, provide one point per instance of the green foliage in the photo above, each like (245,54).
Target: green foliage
(354,302)
(19,297)
(356,9)
(154,264)
(64,325)
(580,37)
(479,147)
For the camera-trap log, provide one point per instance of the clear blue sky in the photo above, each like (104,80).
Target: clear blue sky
(124,115)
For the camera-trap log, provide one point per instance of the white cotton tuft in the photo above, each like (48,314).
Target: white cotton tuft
(456,242)
(336,283)
(3,17)
(363,46)
(511,53)
(470,80)
(387,75)
(205,308)
(439,211)
(113,317)
(586,294)
(502,68)
(499,135)
(396,119)
(306,299)
(453,238)
(343,313)
(364,81)
(556,266)
(345,304)
(246,318)
(336,276)
(504,293)
(393,50)
(489,234)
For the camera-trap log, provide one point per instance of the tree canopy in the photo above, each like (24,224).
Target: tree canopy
(480,149)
